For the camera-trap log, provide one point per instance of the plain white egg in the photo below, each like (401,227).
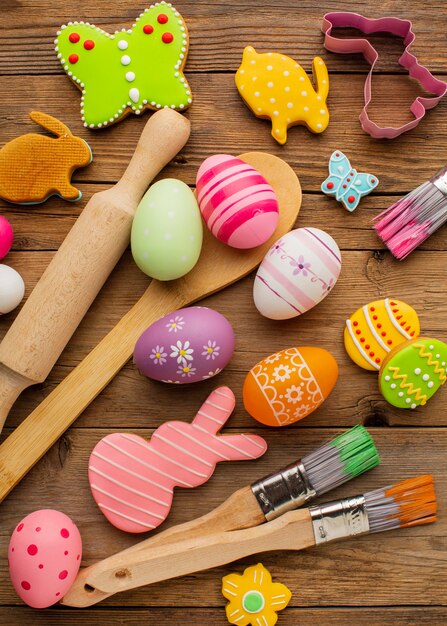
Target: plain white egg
(12,289)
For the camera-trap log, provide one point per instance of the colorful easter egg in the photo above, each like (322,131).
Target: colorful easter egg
(377,328)
(413,372)
(237,203)
(6,237)
(186,346)
(12,289)
(298,271)
(167,233)
(289,385)
(44,556)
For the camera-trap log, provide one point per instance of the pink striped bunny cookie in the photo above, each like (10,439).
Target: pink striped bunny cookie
(132,480)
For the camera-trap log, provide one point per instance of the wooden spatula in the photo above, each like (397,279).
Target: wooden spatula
(218,266)
(82,264)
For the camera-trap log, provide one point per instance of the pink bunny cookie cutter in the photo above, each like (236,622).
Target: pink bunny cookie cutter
(132,480)
(393,26)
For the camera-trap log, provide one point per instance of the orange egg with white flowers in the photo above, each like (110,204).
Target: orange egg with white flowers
(288,385)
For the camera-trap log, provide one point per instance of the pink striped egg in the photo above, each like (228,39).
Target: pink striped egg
(298,271)
(237,203)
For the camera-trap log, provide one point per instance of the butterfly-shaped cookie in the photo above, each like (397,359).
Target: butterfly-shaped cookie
(129,71)
(345,183)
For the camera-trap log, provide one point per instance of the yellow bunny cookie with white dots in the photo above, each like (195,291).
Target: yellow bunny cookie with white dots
(275,86)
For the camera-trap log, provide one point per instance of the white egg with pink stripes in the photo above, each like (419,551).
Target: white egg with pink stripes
(237,203)
(298,271)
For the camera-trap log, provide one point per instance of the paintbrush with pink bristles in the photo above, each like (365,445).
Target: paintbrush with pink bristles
(411,220)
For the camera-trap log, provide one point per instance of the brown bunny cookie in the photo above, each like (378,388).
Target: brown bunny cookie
(34,167)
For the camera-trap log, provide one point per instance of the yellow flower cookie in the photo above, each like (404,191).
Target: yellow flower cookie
(254,598)
(377,328)
(275,86)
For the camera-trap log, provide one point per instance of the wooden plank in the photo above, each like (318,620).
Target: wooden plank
(374,276)
(214,128)
(407,566)
(220,30)
(45,227)
(383,616)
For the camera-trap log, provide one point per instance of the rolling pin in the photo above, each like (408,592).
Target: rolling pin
(82,264)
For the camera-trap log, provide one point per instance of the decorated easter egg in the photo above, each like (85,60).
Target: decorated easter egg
(44,556)
(288,385)
(166,237)
(186,346)
(6,236)
(413,372)
(298,271)
(237,203)
(12,289)
(377,328)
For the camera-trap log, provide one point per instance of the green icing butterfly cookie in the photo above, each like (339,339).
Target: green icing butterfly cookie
(413,372)
(130,70)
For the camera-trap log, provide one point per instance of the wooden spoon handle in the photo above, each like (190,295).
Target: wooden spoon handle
(292,531)
(43,426)
(86,257)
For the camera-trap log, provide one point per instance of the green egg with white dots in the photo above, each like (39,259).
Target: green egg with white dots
(167,231)
(413,372)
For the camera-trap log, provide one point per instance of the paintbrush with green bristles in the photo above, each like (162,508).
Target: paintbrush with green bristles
(336,462)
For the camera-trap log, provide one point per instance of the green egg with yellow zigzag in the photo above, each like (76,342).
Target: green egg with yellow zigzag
(413,372)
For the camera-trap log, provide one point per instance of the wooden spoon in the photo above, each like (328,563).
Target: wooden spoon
(218,266)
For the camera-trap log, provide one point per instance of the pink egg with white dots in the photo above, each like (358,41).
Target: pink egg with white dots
(44,556)
(237,203)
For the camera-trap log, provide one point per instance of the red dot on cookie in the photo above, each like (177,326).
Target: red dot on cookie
(355,323)
(373,180)
(384,334)
(167,38)
(344,186)
(377,361)
(372,308)
(367,346)
(32,549)
(148,29)
(389,342)
(362,340)
(358,331)
(351,198)
(89,44)
(162,18)
(379,325)
(74,37)
(25,585)
(64,533)
(63,575)
(330,185)
(371,354)
(374,317)
(73,58)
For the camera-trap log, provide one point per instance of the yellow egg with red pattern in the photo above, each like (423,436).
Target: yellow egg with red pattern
(377,328)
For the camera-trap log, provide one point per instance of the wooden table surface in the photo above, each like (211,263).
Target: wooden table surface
(394,578)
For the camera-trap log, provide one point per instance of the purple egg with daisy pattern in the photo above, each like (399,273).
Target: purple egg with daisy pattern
(297,273)
(186,346)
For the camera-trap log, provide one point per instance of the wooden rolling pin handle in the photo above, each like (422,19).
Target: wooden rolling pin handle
(11,386)
(87,256)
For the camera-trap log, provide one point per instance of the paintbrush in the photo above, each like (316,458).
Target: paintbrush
(350,454)
(411,220)
(408,503)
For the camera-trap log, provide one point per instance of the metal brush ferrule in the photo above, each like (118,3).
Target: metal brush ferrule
(439,180)
(283,491)
(339,519)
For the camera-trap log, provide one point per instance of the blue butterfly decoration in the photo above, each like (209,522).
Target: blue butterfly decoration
(345,183)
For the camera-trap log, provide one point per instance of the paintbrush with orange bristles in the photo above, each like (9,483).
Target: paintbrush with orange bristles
(408,503)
